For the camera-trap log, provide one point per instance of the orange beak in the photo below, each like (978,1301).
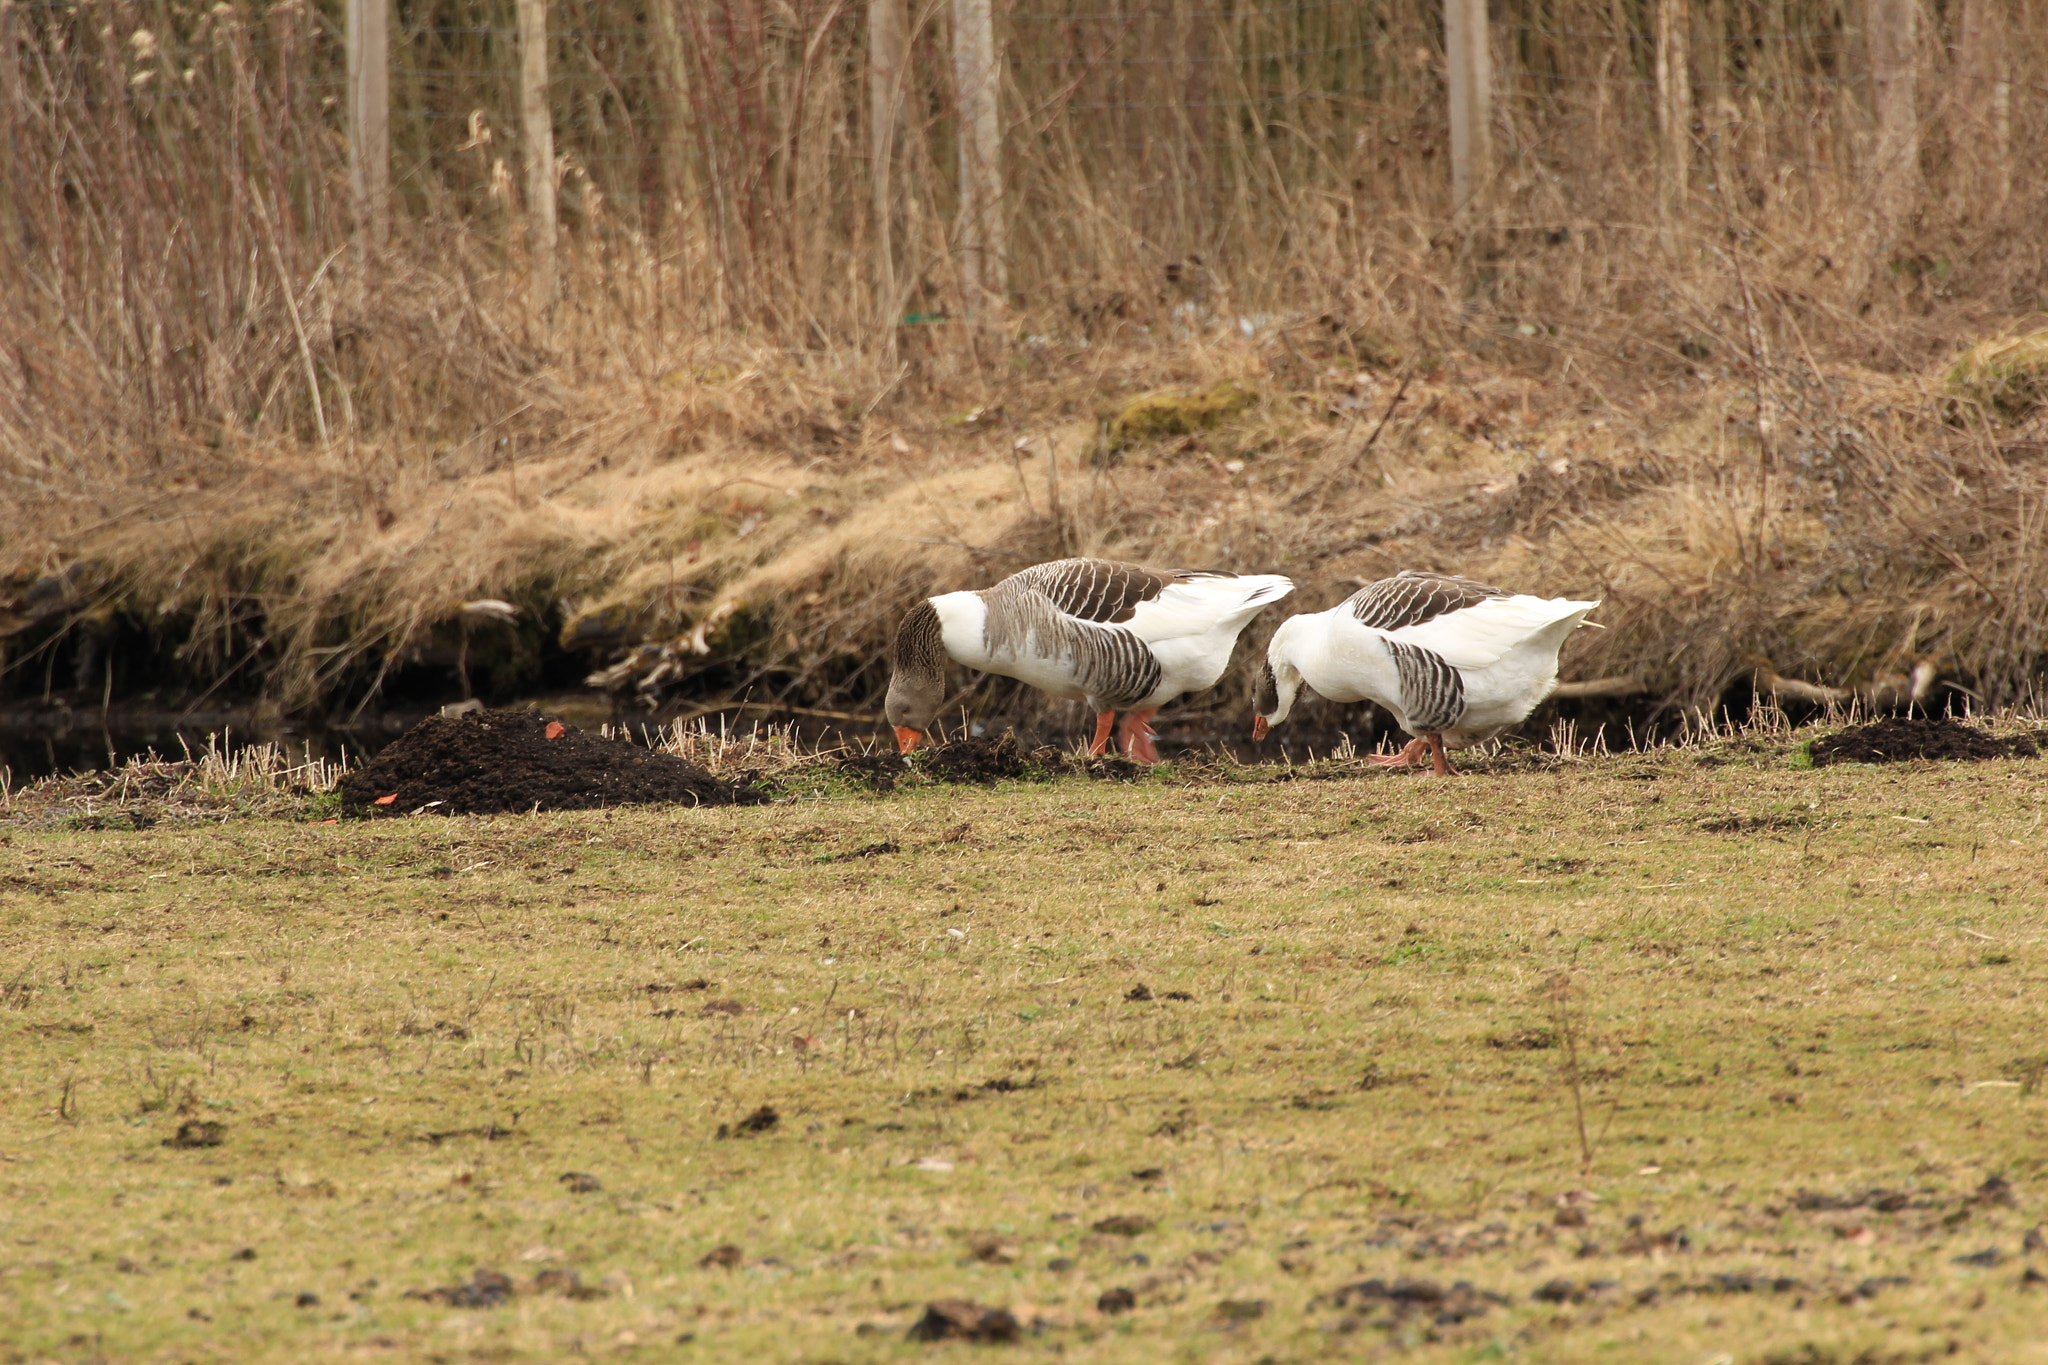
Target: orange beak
(907,738)
(1259,728)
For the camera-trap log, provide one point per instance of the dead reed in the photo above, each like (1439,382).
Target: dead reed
(242,452)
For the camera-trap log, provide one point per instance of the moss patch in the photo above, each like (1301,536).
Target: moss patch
(1178,412)
(2008,376)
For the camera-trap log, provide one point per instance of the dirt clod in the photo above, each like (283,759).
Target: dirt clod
(197,1133)
(1118,1300)
(1408,1298)
(762,1120)
(568,1284)
(483,1289)
(880,850)
(725,1256)
(581,1182)
(1126,1225)
(964,1320)
(492,762)
(1899,739)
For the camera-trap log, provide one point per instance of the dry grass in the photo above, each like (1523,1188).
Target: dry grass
(225,781)
(249,456)
(1562,1035)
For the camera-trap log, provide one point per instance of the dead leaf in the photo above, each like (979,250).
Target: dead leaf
(555,730)
(385,800)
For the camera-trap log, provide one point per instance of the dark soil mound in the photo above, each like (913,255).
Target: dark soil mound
(1901,738)
(876,771)
(495,761)
(986,761)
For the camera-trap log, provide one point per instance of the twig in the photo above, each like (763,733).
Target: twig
(1348,465)
(1569,1032)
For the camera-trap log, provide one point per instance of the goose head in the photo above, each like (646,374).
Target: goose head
(917,678)
(1278,685)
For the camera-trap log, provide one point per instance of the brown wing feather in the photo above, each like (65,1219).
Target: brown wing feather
(1413,596)
(1101,590)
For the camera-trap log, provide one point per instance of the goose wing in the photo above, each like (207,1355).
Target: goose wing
(1100,590)
(1476,636)
(1415,596)
(1202,602)
(1151,604)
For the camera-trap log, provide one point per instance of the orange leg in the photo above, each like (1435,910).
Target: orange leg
(1103,721)
(1137,735)
(1409,757)
(1442,765)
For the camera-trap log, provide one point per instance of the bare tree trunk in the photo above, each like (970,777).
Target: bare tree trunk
(369,118)
(1982,122)
(1674,99)
(888,67)
(975,73)
(1471,93)
(1894,34)
(537,135)
(10,112)
(674,65)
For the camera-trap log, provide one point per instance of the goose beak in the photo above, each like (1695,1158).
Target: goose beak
(907,738)
(1259,728)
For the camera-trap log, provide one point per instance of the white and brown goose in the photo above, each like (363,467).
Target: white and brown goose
(1456,661)
(1116,636)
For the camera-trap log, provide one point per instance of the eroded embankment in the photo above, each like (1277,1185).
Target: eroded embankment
(730,531)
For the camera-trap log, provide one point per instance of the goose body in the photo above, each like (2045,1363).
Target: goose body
(1456,661)
(1116,636)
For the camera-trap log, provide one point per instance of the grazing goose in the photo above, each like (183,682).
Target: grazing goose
(1117,636)
(1456,661)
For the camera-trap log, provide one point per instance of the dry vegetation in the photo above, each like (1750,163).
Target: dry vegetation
(1166,1069)
(249,456)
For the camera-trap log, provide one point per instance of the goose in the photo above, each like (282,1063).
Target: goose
(1456,661)
(1116,636)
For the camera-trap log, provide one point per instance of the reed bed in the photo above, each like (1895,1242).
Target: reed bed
(249,454)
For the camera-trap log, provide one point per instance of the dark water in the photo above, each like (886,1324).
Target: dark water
(47,742)
(44,743)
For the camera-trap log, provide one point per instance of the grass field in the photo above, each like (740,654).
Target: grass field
(1696,1056)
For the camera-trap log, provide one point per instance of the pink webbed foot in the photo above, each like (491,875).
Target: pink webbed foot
(1137,736)
(1411,756)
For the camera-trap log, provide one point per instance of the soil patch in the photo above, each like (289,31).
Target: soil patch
(497,761)
(984,762)
(1900,738)
(987,761)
